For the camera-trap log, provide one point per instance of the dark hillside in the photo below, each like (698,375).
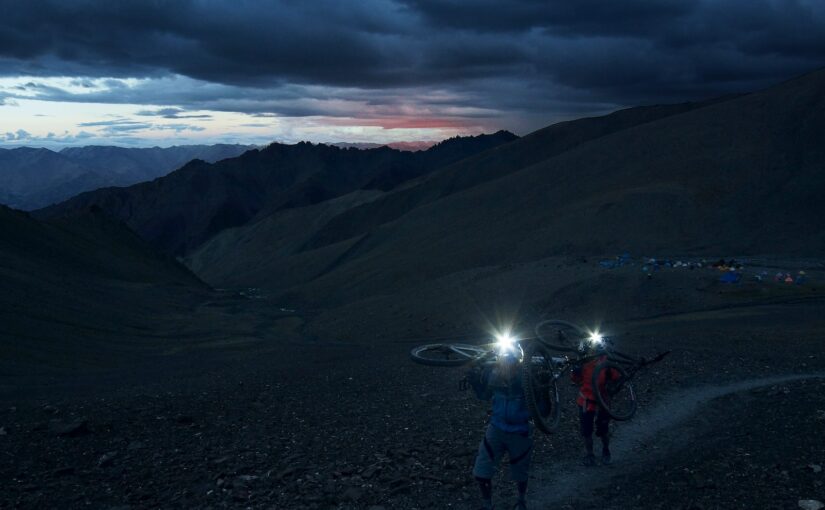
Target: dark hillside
(231,258)
(77,289)
(179,212)
(739,176)
(493,164)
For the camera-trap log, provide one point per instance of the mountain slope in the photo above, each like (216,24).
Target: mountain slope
(76,289)
(738,176)
(182,210)
(26,174)
(261,253)
(230,258)
(34,178)
(493,164)
(742,176)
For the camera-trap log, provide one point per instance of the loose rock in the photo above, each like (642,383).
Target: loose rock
(64,471)
(351,494)
(184,419)
(106,459)
(77,428)
(136,445)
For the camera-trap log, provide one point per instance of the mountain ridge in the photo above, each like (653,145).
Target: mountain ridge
(236,190)
(32,178)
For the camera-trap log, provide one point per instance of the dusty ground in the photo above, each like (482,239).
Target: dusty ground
(338,424)
(751,447)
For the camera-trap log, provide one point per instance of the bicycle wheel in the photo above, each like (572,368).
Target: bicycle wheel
(560,335)
(616,396)
(446,355)
(540,391)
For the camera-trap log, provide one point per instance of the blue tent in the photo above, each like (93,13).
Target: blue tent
(730,277)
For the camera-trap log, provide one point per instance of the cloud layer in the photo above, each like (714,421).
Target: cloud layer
(519,64)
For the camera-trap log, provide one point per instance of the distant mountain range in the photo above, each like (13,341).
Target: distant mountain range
(33,178)
(402,146)
(180,211)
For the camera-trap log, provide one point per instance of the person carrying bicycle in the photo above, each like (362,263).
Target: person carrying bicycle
(509,427)
(590,412)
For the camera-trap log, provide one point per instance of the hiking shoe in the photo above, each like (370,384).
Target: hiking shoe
(589,460)
(606,457)
(520,505)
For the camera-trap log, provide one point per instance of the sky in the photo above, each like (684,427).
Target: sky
(153,72)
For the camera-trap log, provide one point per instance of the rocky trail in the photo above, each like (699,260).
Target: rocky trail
(345,426)
(649,441)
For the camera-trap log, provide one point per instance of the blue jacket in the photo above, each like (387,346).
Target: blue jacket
(510,412)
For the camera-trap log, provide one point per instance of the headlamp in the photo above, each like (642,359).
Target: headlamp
(505,342)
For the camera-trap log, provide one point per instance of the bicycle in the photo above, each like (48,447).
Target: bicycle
(616,395)
(541,370)
(458,354)
(618,398)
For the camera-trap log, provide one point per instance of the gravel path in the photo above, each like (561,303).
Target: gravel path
(635,446)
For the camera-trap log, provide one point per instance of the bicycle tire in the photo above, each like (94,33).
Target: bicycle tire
(540,387)
(446,355)
(619,402)
(558,340)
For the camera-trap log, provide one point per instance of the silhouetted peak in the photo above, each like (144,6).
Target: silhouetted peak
(500,136)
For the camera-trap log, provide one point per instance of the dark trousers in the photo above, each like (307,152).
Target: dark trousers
(588,418)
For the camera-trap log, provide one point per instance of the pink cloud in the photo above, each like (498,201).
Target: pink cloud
(405,123)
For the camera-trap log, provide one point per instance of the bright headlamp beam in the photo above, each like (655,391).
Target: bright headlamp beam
(504,341)
(596,338)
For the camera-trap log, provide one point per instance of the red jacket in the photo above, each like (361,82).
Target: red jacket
(583,376)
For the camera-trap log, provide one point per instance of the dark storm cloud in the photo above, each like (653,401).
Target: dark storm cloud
(239,43)
(581,17)
(188,94)
(519,58)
